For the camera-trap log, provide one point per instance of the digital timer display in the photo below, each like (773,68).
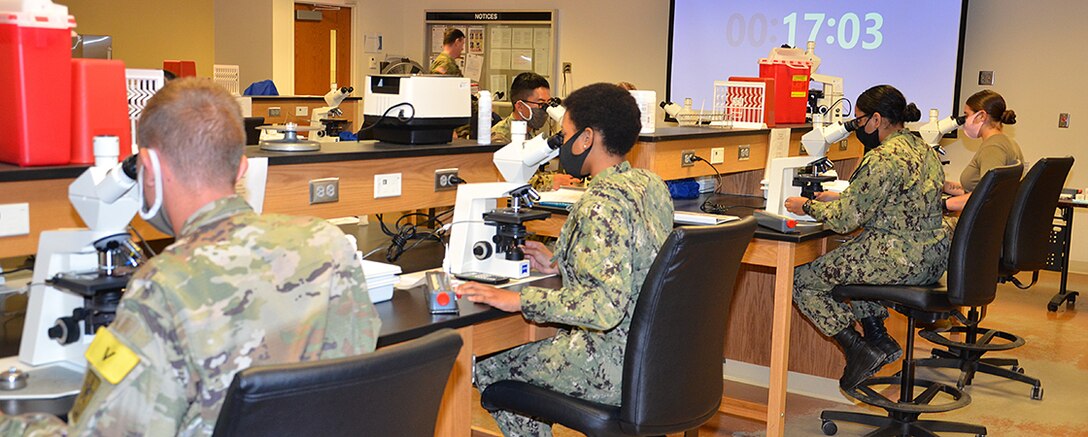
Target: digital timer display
(913,45)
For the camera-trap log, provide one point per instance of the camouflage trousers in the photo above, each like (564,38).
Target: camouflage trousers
(560,364)
(868,259)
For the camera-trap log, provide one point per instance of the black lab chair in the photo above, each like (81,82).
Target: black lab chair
(1026,246)
(394,391)
(672,370)
(971,282)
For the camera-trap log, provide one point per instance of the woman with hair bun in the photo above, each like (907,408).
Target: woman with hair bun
(986,116)
(894,197)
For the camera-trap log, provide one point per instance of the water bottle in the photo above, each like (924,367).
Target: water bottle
(483,119)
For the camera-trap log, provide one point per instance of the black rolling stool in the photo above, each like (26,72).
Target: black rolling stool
(672,369)
(971,282)
(394,391)
(1025,249)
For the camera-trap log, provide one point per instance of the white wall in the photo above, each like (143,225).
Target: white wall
(1039,61)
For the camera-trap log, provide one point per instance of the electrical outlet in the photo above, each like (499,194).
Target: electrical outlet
(717,155)
(274,111)
(744,151)
(986,77)
(325,190)
(386,185)
(14,219)
(566,67)
(442,179)
(687,158)
(302,111)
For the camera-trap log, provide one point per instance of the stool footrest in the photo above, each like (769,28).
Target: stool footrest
(922,402)
(984,341)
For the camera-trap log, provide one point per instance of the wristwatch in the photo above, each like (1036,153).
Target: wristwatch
(805,206)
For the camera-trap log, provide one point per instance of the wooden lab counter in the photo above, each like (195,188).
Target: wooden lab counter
(287,187)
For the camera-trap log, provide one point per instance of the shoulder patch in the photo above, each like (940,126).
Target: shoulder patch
(111,358)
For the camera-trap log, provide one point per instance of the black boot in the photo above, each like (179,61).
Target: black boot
(862,359)
(876,335)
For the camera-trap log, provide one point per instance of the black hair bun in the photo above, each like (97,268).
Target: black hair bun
(912,113)
(1008,117)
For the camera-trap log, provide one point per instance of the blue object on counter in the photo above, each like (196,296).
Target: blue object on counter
(683,189)
(348,136)
(261,88)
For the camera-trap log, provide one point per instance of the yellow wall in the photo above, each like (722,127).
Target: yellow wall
(145,32)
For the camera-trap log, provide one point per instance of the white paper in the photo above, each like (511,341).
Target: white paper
(522,38)
(474,65)
(778,147)
(251,186)
(500,37)
(521,59)
(500,59)
(437,33)
(497,82)
(475,40)
(542,38)
(542,64)
(372,43)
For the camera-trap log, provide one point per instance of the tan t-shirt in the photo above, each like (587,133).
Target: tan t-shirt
(997,151)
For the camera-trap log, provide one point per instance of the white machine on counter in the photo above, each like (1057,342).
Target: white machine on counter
(421,109)
(325,117)
(802,175)
(933,131)
(487,239)
(832,98)
(79,276)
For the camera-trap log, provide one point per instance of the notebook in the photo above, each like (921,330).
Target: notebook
(701,218)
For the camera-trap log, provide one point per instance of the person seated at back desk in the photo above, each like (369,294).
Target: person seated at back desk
(604,251)
(234,290)
(987,116)
(453,43)
(895,198)
(530,93)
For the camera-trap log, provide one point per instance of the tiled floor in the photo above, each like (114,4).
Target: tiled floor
(1056,352)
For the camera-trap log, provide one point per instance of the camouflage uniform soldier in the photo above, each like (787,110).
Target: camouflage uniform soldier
(603,253)
(895,197)
(453,43)
(235,290)
(530,93)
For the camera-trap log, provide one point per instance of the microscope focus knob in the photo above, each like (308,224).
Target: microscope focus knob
(65,331)
(481,250)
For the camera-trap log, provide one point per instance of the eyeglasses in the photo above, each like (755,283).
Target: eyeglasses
(539,103)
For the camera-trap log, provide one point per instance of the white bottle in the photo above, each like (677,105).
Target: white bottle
(483,119)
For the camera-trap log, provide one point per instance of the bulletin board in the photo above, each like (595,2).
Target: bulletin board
(498,44)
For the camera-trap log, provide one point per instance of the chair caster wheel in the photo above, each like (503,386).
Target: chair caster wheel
(1018,369)
(1051,307)
(829,427)
(1037,393)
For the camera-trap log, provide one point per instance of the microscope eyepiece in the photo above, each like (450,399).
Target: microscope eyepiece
(129,166)
(556,141)
(961,119)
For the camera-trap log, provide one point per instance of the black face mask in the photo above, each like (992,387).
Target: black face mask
(572,163)
(869,140)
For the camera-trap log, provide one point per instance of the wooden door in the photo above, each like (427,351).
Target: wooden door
(321,46)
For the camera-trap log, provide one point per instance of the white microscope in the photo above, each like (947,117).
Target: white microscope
(829,99)
(803,175)
(79,277)
(933,131)
(326,118)
(486,239)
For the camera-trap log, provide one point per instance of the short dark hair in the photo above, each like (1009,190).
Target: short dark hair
(525,83)
(890,103)
(196,125)
(609,110)
(452,35)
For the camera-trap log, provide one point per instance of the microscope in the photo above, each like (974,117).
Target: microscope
(803,175)
(488,239)
(826,101)
(79,277)
(323,117)
(933,131)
